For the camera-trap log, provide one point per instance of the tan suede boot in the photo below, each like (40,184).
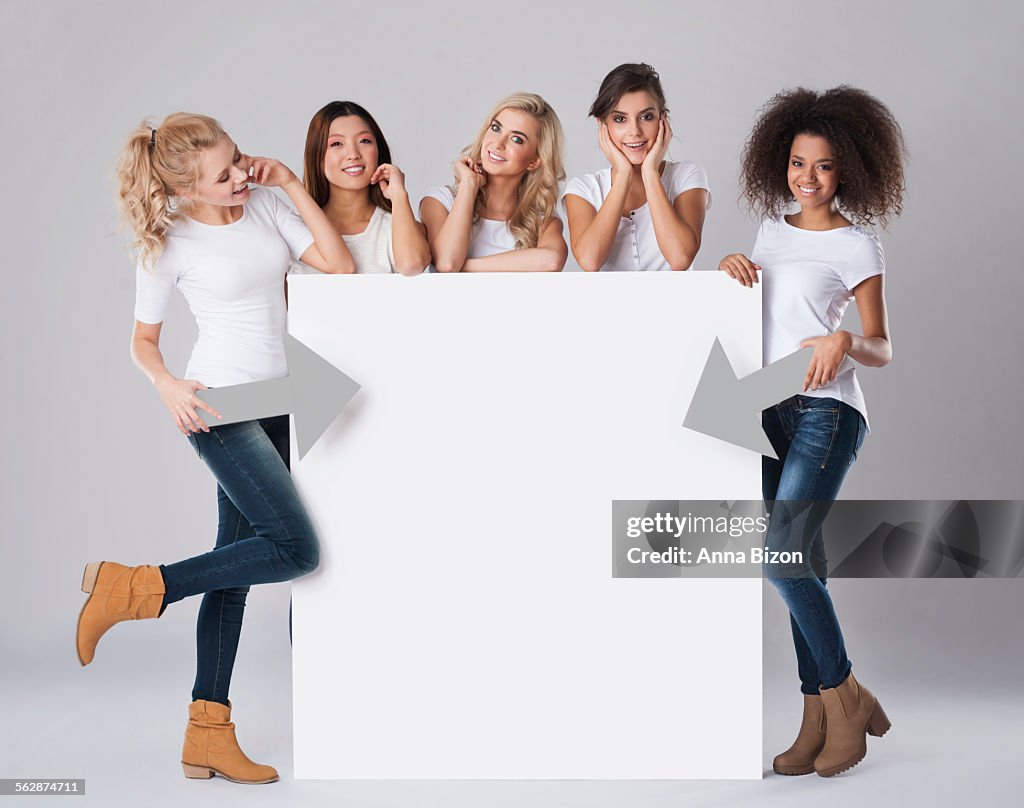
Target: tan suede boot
(799,758)
(116,593)
(851,713)
(211,747)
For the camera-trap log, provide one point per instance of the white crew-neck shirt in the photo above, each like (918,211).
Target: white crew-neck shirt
(488,236)
(372,250)
(232,277)
(808,278)
(636,246)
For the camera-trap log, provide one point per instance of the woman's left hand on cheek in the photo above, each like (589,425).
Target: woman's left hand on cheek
(652,162)
(270,172)
(828,355)
(390,179)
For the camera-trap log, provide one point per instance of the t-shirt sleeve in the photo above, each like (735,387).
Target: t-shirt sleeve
(560,212)
(685,177)
(866,261)
(755,252)
(290,225)
(585,190)
(443,194)
(299,268)
(153,288)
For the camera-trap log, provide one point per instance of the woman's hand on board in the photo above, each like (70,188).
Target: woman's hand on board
(269,172)
(621,167)
(740,268)
(390,179)
(829,353)
(179,396)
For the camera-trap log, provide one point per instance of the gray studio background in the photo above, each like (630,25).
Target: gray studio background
(93,467)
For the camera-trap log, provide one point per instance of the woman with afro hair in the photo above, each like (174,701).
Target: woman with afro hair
(838,155)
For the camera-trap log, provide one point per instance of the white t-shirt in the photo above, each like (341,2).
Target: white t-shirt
(372,250)
(635,246)
(808,278)
(488,236)
(232,276)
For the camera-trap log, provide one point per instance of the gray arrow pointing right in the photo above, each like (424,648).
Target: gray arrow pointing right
(314,391)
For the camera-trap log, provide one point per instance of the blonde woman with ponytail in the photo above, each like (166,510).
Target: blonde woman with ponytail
(185,191)
(500,214)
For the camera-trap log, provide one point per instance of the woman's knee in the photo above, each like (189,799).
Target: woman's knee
(304,552)
(310,559)
(784,561)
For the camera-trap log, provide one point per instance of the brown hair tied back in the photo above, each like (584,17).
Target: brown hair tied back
(627,78)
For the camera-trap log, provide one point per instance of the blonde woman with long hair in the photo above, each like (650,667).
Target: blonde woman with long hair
(500,214)
(199,227)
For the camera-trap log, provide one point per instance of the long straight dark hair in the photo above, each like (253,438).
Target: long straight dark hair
(316,147)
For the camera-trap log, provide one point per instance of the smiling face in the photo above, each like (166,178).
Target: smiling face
(509,145)
(633,124)
(223,176)
(812,175)
(351,155)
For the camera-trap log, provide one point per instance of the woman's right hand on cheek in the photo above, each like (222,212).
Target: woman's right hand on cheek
(616,158)
(179,396)
(740,268)
(469,173)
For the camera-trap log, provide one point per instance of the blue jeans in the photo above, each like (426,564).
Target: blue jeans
(817,440)
(264,535)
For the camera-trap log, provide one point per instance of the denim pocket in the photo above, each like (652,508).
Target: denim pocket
(861,433)
(815,404)
(816,428)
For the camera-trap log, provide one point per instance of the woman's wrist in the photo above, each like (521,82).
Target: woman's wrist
(622,179)
(293,186)
(162,377)
(651,175)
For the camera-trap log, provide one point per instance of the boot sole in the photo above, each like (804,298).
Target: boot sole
(193,772)
(878,724)
(89,576)
(794,771)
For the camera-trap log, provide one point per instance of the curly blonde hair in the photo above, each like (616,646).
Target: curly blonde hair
(155,165)
(538,189)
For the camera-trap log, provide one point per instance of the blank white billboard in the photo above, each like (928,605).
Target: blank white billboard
(464,622)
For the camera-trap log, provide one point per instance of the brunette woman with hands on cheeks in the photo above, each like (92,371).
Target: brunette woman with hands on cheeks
(838,155)
(643,212)
(184,189)
(500,216)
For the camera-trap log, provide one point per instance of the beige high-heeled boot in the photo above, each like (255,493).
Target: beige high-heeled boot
(851,714)
(116,593)
(799,758)
(212,748)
